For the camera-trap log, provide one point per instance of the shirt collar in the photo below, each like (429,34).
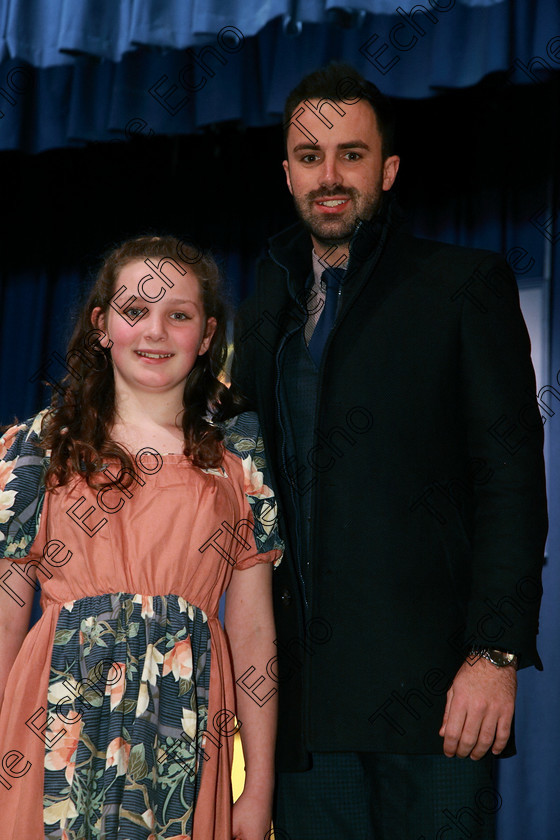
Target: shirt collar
(319,267)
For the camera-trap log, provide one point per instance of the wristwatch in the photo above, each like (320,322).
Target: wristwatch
(499,658)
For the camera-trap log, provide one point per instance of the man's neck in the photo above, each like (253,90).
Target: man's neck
(331,256)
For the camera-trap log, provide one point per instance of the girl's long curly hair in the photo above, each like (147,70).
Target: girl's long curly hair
(78,424)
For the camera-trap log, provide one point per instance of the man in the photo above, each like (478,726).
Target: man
(396,400)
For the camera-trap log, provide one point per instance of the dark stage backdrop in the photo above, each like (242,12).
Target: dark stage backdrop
(479,167)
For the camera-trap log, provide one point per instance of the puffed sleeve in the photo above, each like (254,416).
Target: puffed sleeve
(22,489)
(242,438)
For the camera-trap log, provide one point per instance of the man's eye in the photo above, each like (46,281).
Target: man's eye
(353,155)
(310,158)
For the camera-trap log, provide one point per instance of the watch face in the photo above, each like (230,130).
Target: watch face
(498,657)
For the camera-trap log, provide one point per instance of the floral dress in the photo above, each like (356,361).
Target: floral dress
(119,711)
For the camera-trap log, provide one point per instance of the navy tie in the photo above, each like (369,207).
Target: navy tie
(333,278)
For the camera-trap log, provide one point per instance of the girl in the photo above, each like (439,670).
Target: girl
(137,499)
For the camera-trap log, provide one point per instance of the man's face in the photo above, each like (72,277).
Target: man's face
(340,178)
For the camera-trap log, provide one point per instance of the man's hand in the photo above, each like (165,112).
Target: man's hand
(479,709)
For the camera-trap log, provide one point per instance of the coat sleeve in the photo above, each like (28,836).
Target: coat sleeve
(242,371)
(22,490)
(250,339)
(505,429)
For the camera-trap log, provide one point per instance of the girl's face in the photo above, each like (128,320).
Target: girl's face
(157,326)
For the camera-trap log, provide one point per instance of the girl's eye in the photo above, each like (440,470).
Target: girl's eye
(180,316)
(133,312)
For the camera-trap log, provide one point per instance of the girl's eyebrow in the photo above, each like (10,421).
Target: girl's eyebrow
(175,301)
(171,301)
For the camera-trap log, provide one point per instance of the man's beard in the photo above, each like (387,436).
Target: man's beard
(331,230)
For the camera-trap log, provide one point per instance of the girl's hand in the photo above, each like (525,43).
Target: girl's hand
(251,818)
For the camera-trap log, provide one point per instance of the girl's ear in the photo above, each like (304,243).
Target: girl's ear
(98,321)
(211,325)
(98,318)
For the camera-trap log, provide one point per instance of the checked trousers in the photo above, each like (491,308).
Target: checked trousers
(378,796)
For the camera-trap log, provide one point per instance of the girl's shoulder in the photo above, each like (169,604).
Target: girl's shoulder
(22,438)
(242,435)
(23,465)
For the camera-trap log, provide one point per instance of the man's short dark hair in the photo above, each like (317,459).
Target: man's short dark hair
(342,83)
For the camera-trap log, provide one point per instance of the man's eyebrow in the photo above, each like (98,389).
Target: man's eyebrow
(314,147)
(354,144)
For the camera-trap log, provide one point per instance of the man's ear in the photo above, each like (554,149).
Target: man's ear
(390,169)
(286,166)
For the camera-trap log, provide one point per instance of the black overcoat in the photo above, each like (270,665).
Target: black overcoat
(428,496)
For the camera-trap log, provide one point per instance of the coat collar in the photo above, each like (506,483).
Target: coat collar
(291,248)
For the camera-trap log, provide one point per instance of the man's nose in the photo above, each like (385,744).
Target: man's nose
(330,171)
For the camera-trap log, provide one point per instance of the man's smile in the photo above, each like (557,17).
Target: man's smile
(332,203)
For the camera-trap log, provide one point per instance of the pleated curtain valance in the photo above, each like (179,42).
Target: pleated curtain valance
(48,32)
(77,71)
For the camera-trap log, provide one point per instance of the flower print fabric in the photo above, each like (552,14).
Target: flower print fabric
(123,742)
(20,458)
(120,704)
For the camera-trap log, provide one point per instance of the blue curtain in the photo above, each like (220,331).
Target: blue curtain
(73,72)
(41,31)
(37,306)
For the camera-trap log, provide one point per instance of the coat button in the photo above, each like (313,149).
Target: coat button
(286,597)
